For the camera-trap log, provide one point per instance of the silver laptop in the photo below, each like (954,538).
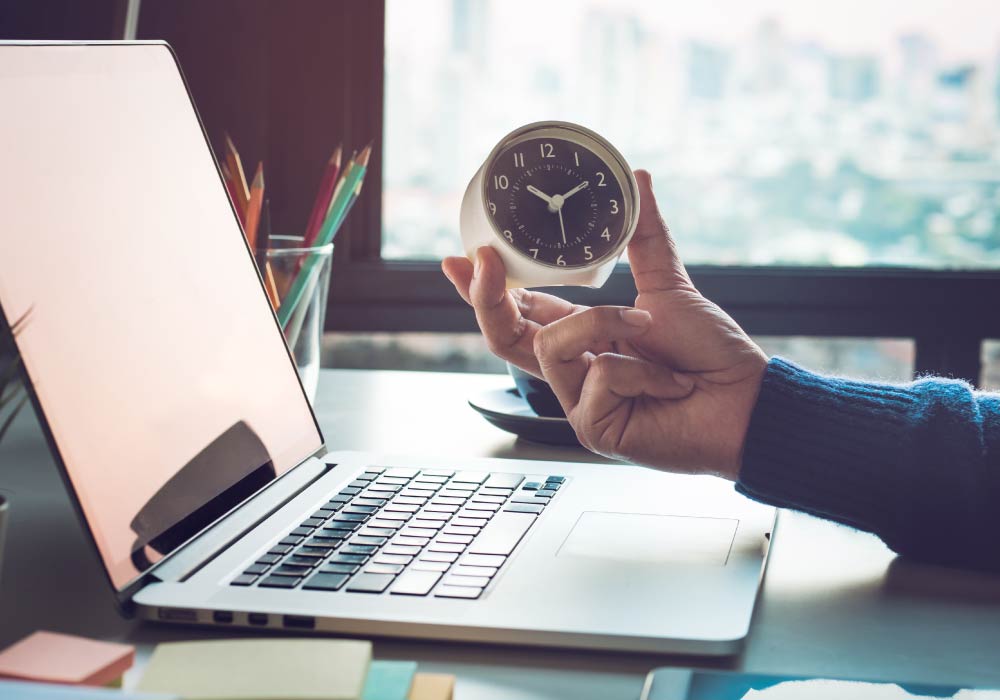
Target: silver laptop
(171,404)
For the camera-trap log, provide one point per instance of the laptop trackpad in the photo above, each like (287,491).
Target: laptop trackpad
(650,538)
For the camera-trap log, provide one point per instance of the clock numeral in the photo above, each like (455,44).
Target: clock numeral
(519,160)
(587,255)
(606,234)
(534,252)
(492,206)
(508,235)
(614,205)
(501,182)
(601,183)
(576,158)
(547,150)
(560,261)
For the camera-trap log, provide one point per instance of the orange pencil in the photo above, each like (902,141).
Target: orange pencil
(237,175)
(326,186)
(227,178)
(270,286)
(254,206)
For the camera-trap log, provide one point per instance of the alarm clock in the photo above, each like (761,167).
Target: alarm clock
(556,201)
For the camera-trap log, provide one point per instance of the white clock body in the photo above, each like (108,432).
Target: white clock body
(524,264)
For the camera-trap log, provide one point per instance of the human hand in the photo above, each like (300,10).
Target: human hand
(670,383)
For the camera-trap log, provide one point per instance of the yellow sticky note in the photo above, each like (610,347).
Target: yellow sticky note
(432,686)
(259,669)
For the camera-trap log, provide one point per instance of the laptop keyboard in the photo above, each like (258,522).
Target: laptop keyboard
(408,532)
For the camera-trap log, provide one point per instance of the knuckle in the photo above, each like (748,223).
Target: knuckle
(543,342)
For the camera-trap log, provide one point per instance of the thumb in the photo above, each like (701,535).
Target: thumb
(652,253)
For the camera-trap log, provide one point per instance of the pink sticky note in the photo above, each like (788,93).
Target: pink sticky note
(63,658)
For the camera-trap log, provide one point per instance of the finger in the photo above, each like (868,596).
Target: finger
(459,271)
(652,254)
(508,334)
(615,378)
(564,348)
(543,308)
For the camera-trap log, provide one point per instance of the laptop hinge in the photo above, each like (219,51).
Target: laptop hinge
(186,561)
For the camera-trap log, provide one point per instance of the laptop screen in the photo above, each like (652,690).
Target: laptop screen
(147,337)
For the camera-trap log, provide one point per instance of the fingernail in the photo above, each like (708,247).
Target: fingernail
(636,317)
(684,381)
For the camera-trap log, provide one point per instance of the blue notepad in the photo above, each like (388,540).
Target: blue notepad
(26,690)
(389,680)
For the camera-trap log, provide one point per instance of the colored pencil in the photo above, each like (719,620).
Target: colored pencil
(363,162)
(227,178)
(239,178)
(270,286)
(254,206)
(323,197)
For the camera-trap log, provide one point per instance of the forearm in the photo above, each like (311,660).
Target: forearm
(918,465)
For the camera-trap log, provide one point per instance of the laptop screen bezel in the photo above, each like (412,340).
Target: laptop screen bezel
(123,595)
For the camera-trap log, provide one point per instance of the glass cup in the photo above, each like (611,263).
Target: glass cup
(301,281)
(4,507)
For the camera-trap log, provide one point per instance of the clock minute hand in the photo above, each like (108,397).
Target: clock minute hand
(582,186)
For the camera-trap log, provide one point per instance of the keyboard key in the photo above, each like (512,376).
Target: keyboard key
(457,592)
(496,500)
(429,566)
(455,539)
(430,515)
(471,477)
(532,486)
(392,480)
(469,522)
(375,541)
(486,491)
(256,569)
(377,532)
(368,476)
(396,507)
(491,560)
(392,559)
(291,540)
(545,493)
(460,570)
(349,491)
(401,472)
(441,508)
(411,541)
(437,472)
(421,495)
(409,500)
(423,488)
(303,561)
(398,517)
(401,549)
(453,529)
(359,483)
(341,498)
(243,580)
(349,518)
(362,510)
(357,549)
(324,512)
(339,568)
(376,502)
(341,532)
(448,500)
(448,557)
(489,507)
(269,559)
(327,543)
(417,532)
(551,486)
(370,583)
(348,558)
(557,479)
(312,552)
(279,582)
(385,524)
(474,581)
(522,508)
(378,487)
(432,479)
(502,534)
(427,523)
(292,569)
(447,547)
(467,489)
(384,569)
(415,583)
(504,481)
(303,531)
(451,493)
(531,500)
(323,581)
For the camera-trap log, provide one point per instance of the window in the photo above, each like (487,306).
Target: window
(792,133)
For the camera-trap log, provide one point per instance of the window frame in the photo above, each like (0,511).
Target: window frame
(947,313)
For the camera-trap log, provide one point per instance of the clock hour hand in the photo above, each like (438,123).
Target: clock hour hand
(538,193)
(582,186)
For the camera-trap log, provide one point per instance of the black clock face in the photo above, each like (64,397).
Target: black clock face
(556,202)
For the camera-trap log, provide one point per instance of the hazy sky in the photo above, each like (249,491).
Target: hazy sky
(962,29)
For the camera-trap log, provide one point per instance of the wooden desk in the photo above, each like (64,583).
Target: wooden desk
(834,602)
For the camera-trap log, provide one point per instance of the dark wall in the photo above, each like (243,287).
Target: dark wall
(61,19)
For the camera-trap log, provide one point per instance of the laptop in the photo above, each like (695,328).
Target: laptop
(173,409)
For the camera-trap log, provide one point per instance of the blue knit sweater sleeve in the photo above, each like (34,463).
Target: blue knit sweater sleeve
(918,465)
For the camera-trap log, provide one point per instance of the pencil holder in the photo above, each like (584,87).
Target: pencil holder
(3,527)
(298,279)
